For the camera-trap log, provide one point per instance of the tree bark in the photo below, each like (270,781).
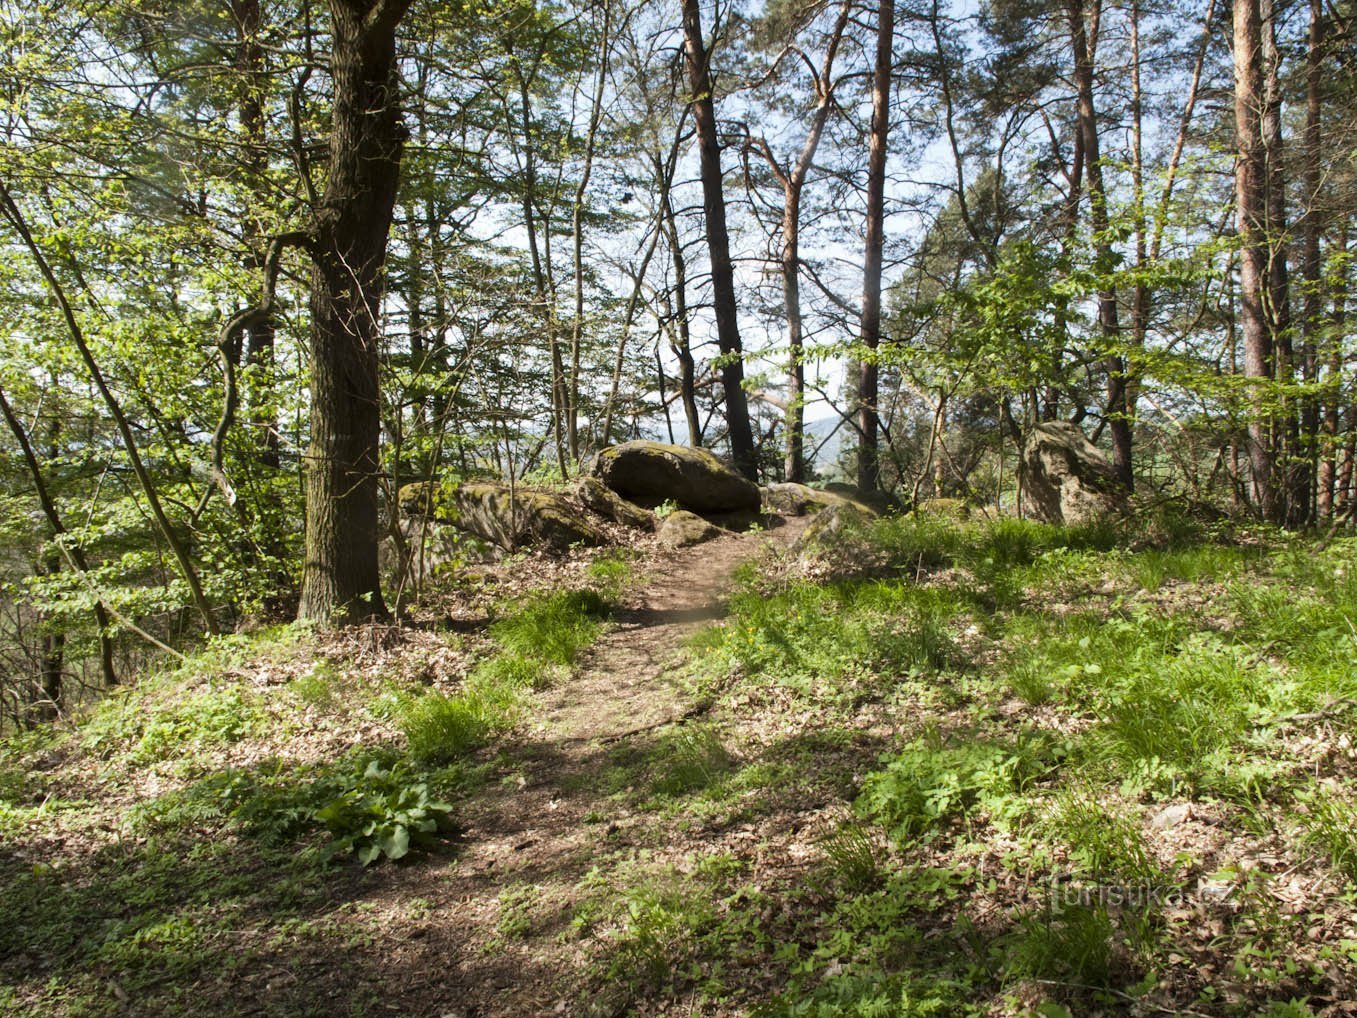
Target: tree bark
(698,58)
(260,335)
(340,582)
(1119,410)
(869,460)
(1312,225)
(1251,199)
(1294,489)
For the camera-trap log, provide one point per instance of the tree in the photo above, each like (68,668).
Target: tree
(791,178)
(347,242)
(698,60)
(868,461)
(1256,251)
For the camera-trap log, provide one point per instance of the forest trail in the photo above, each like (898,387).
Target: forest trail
(623,686)
(554,813)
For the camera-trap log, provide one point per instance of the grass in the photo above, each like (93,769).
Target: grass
(1075,680)
(537,640)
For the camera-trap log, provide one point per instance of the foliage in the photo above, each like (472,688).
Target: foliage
(148,732)
(440,728)
(370,804)
(926,784)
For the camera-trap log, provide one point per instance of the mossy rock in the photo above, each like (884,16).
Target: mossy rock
(507,517)
(836,545)
(1066,478)
(802,500)
(879,502)
(596,496)
(680,529)
(650,473)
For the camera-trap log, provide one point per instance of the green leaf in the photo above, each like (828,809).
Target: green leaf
(396,844)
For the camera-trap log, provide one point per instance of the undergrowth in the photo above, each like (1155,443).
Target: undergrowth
(1091,690)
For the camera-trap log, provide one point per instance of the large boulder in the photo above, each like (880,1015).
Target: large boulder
(649,473)
(508,517)
(597,497)
(681,528)
(791,499)
(1066,479)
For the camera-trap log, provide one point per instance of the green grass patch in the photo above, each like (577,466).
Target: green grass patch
(441,728)
(552,628)
(149,728)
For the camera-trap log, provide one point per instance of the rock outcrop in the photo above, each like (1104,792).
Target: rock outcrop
(836,545)
(650,473)
(597,497)
(1066,479)
(507,517)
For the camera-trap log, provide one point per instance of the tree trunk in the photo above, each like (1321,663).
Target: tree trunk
(869,460)
(1294,489)
(259,335)
(340,583)
(572,418)
(682,338)
(1312,225)
(793,181)
(1118,402)
(1331,488)
(794,457)
(718,241)
(1251,199)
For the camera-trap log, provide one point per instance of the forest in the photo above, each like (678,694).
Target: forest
(342,611)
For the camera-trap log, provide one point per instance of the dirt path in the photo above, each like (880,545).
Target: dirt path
(539,831)
(625,683)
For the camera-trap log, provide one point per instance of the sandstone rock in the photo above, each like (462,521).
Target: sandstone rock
(834,522)
(649,473)
(835,545)
(878,501)
(681,528)
(1066,479)
(509,518)
(803,500)
(431,548)
(595,495)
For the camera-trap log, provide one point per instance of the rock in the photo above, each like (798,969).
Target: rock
(744,520)
(681,528)
(649,473)
(509,518)
(878,501)
(595,495)
(834,522)
(835,545)
(1066,479)
(802,500)
(431,548)
(1171,816)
